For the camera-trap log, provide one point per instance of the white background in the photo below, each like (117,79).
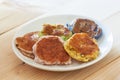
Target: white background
(98,9)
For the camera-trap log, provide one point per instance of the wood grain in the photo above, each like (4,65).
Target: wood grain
(13,17)
(12,68)
(109,72)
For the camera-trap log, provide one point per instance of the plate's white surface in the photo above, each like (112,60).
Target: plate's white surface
(104,42)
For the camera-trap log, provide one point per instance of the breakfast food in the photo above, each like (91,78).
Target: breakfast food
(81,47)
(86,26)
(49,50)
(56,30)
(26,43)
(57,44)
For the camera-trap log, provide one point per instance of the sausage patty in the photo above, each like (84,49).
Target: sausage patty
(87,26)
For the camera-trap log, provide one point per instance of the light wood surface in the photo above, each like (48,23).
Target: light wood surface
(11,68)
(13,17)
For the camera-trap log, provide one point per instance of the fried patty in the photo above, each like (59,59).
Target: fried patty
(50,50)
(87,26)
(82,47)
(56,30)
(26,43)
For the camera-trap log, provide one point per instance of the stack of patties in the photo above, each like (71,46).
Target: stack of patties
(81,47)
(26,42)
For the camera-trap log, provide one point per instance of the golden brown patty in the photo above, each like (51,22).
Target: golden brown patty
(50,50)
(81,47)
(56,30)
(26,43)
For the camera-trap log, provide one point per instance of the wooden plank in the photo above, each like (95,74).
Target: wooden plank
(13,17)
(4,13)
(15,69)
(109,72)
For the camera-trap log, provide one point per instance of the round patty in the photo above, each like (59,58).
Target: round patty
(87,26)
(50,50)
(82,47)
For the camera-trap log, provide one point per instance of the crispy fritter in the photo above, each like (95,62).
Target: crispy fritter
(82,47)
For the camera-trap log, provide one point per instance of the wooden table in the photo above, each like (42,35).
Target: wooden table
(12,68)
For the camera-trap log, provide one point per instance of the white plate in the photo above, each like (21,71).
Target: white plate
(104,42)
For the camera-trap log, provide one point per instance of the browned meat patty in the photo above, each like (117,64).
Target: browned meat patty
(87,26)
(50,50)
(26,43)
(56,30)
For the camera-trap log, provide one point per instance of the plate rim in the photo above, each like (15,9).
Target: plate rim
(52,69)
